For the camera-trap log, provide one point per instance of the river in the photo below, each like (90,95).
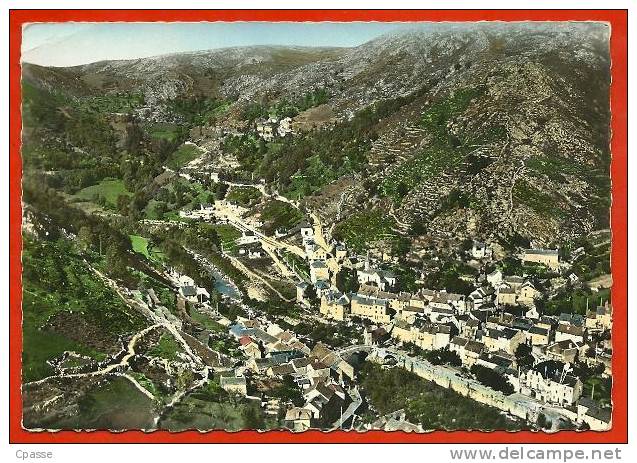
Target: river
(224,286)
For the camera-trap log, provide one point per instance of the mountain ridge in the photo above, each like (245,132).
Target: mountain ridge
(535,98)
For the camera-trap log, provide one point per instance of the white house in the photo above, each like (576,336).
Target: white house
(481,250)
(495,278)
(550,382)
(380,278)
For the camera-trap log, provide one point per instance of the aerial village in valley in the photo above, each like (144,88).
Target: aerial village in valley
(491,345)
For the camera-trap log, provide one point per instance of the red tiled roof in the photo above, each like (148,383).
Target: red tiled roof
(245,340)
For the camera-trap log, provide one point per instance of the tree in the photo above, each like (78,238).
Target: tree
(311,295)
(122,204)
(492,379)
(523,355)
(402,189)
(346,280)
(288,391)
(252,417)
(133,138)
(220,190)
(117,262)
(443,356)
(417,228)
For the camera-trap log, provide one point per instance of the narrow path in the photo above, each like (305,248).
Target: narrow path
(150,315)
(283,269)
(111,368)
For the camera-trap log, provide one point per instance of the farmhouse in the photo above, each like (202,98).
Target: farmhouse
(480,250)
(548,257)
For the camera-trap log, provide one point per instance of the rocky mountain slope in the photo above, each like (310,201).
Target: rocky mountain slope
(485,130)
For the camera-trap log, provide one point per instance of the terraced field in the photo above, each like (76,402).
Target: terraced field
(428,165)
(366,228)
(227,234)
(444,153)
(541,202)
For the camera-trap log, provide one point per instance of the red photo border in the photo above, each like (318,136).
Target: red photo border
(619,163)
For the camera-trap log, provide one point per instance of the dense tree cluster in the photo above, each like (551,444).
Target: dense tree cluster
(426,403)
(308,161)
(492,379)
(443,357)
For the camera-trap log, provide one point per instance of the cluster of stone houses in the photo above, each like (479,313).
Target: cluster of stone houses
(513,290)
(268,128)
(492,343)
(481,327)
(478,329)
(484,328)
(380,306)
(556,344)
(272,352)
(188,289)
